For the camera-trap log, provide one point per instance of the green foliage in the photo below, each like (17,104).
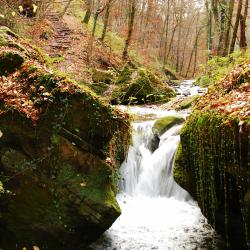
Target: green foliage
(218,67)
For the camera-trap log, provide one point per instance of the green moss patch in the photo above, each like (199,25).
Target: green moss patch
(101,76)
(139,87)
(165,123)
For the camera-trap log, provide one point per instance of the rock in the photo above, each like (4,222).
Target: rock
(212,162)
(171,74)
(139,87)
(10,61)
(99,88)
(163,124)
(181,103)
(102,76)
(60,147)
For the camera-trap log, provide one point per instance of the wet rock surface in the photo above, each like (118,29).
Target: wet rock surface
(59,149)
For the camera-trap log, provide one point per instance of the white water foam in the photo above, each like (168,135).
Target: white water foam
(156,212)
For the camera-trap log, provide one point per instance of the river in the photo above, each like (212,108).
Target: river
(156,212)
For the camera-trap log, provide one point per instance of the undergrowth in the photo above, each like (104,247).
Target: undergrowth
(218,67)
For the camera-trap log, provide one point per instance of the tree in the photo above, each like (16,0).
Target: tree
(88,11)
(132,9)
(106,20)
(228,27)
(243,18)
(236,26)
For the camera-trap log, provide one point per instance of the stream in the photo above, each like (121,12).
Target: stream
(156,212)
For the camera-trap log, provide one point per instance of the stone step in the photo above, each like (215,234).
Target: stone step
(59,46)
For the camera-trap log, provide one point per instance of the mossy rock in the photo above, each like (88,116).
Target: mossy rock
(139,87)
(10,61)
(187,102)
(212,165)
(60,148)
(102,76)
(125,76)
(99,88)
(163,124)
(183,176)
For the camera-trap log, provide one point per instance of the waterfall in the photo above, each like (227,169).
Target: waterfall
(149,173)
(156,212)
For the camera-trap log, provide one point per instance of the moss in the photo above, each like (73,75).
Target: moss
(165,123)
(143,87)
(125,76)
(10,61)
(212,166)
(101,76)
(6,31)
(99,88)
(182,175)
(58,159)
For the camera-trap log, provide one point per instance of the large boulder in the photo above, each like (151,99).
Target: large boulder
(212,162)
(60,146)
(139,86)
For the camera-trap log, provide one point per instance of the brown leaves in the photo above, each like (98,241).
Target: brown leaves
(231,95)
(11,93)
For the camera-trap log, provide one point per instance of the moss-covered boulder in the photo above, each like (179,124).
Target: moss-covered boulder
(140,86)
(212,162)
(60,146)
(163,124)
(102,76)
(99,88)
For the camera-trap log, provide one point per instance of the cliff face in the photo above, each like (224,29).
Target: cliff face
(59,149)
(213,159)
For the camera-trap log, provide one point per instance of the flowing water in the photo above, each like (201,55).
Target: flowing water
(156,212)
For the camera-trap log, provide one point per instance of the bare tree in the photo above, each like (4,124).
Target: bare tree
(243,18)
(228,27)
(132,9)
(236,26)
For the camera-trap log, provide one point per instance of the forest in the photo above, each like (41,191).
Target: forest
(124,124)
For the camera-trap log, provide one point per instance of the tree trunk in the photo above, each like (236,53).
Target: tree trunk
(209,29)
(178,44)
(166,34)
(132,9)
(194,50)
(185,46)
(228,27)
(171,43)
(88,11)
(221,40)
(243,40)
(106,21)
(236,26)
(214,5)
(66,7)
